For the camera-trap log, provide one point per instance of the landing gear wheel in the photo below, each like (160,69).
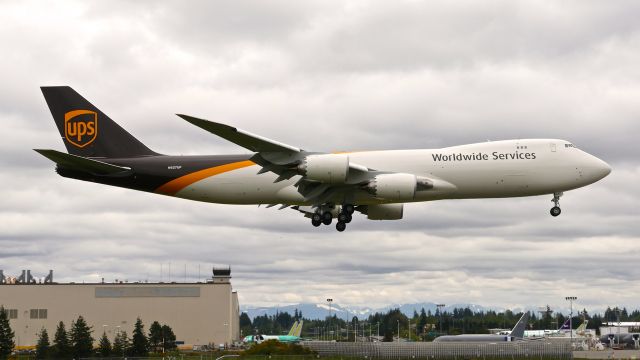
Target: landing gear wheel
(348,208)
(342,217)
(340,226)
(317,218)
(555,210)
(316,223)
(326,218)
(349,218)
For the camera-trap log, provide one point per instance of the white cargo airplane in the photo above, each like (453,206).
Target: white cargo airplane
(323,186)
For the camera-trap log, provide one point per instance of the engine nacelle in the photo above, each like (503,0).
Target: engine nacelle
(394,187)
(328,168)
(385,212)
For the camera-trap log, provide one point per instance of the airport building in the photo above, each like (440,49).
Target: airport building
(199,313)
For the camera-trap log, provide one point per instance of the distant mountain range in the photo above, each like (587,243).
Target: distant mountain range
(320,311)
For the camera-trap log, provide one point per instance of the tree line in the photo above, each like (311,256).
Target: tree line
(424,325)
(78,341)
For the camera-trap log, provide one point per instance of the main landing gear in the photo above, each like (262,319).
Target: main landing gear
(344,217)
(555,211)
(324,216)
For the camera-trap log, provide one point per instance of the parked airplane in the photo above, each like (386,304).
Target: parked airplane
(580,330)
(323,186)
(631,340)
(517,333)
(292,337)
(541,333)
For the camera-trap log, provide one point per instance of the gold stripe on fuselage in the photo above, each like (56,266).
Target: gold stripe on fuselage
(175,185)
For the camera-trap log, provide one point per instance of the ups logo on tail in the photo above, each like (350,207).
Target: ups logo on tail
(80,127)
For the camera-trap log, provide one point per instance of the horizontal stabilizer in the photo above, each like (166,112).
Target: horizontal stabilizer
(80,163)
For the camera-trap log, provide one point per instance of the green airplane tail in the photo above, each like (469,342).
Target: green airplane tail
(293,328)
(298,330)
(582,327)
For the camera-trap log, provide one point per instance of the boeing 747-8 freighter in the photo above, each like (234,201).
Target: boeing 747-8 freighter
(322,185)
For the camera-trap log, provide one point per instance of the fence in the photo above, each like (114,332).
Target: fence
(420,350)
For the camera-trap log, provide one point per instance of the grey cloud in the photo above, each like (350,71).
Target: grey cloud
(329,76)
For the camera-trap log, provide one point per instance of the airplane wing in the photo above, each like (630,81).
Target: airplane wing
(272,155)
(322,174)
(247,140)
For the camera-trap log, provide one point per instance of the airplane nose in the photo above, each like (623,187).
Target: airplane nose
(599,168)
(604,168)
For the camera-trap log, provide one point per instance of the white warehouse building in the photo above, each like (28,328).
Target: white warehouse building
(199,313)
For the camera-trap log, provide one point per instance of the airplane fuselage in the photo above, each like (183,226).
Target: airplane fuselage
(475,338)
(255,339)
(495,169)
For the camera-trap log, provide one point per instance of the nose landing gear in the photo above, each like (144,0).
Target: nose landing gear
(555,211)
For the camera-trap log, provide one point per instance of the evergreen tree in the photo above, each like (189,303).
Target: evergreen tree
(140,344)
(388,335)
(169,338)
(422,322)
(155,336)
(245,324)
(80,338)
(61,348)
(6,334)
(121,344)
(104,347)
(43,346)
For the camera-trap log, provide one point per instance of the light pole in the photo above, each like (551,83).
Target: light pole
(347,322)
(618,318)
(122,338)
(571,299)
(355,330)
(440,306)
(329,300)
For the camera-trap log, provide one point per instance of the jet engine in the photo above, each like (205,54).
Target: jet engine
(327,168)
(385,212)
(396,187)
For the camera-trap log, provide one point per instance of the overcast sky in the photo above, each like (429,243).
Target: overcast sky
(328,76)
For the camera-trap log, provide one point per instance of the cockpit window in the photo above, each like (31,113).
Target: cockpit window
(569,145)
